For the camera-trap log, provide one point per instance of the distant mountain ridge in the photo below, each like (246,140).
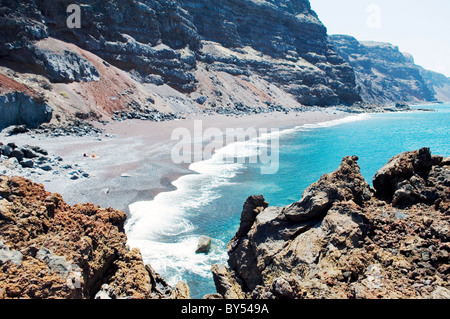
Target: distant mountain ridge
(385,74)
(438,83)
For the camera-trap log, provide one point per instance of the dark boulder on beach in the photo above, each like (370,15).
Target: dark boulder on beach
(15,129)
(346,240)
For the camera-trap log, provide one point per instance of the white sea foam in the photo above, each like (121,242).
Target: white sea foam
(174,259)
(162,228)
(348,119)
(159,227)
(166,214)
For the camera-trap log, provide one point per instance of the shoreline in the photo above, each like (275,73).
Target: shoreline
(134,178)
(134,162)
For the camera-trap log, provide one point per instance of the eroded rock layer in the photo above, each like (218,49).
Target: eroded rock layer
(275,46)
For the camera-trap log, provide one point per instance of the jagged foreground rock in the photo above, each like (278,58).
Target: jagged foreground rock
(344,239)
(49,249)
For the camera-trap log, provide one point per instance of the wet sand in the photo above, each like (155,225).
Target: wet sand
(134,157)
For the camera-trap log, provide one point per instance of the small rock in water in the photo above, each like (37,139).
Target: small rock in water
(103,292)
(204,245)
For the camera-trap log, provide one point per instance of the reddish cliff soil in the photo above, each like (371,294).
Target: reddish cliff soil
(8,85)
(49,249)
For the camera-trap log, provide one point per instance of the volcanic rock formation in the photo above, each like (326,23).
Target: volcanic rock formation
(49,249)
(344,239)
(134,57)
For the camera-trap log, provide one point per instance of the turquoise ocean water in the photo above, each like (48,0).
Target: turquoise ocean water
(210,202)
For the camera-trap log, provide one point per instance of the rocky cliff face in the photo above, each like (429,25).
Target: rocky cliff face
(345,239)
(384,74)
(438,83)
(160,40)
(49,249)
(20,105)
(172,50)
(154,59)
(289,38)
(132,35)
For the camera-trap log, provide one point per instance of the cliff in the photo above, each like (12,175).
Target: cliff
(20,105)
(438,83)
(386,75)
(158,59)
(138,59)
(49,249)
(283,42)
(345,239)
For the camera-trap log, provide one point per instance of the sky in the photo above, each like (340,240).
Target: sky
(419,27)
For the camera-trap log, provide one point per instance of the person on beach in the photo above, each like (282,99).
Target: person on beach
(93,155)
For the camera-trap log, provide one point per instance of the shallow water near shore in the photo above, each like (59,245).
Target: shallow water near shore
(210,202)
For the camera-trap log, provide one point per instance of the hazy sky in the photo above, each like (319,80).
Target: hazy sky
(420,27)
